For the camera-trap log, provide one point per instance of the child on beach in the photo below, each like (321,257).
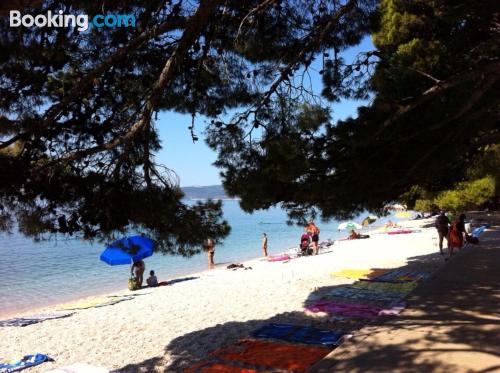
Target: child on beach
(152,281)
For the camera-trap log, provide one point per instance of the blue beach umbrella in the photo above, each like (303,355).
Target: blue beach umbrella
(128,250)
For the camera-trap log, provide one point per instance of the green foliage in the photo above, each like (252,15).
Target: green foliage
(435,88)
(465,196)
(78,109)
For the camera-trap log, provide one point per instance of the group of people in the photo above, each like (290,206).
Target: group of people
(137,272)
(309,240)
(454,232)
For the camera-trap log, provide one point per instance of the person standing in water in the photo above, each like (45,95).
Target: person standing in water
(137,272)
(264,244)
(210,247)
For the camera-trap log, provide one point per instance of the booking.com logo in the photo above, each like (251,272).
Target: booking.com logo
(80,22)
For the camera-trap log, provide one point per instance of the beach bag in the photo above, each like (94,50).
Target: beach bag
(132,284)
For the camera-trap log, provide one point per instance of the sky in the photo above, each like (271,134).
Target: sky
(193,163)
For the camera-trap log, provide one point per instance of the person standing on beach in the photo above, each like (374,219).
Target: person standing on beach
(264,244)
(210,247)
(457,234)
(313,232)
(137,272)
(442,225)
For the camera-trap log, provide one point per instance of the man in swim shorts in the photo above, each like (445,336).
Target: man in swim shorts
(442,223)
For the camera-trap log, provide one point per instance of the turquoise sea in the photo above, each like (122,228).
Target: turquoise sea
(50,272)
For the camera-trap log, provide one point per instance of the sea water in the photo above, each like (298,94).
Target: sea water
(36,274)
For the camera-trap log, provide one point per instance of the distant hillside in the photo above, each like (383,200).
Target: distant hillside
(205,192)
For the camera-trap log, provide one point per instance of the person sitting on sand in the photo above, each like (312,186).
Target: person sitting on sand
(354,235)
(389,224)
(137,271)
(304,244)
(152,281)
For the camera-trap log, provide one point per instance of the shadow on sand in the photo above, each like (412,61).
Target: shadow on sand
(446,307)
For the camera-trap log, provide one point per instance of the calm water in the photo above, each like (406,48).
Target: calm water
(39,274)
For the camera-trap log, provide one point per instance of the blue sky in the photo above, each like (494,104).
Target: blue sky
(193,162)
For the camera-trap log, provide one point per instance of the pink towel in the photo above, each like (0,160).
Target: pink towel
(366,311)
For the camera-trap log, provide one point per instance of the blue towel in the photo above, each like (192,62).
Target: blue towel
(26,362)
(299,334)
(477,231)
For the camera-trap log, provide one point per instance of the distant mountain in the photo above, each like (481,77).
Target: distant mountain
(205,192)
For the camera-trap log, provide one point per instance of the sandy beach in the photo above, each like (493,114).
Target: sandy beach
(171,327)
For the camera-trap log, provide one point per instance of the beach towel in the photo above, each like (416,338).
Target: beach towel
(360,273)
(26,362)
(278,258)
(34,319)
(402,275)
(366,311)
(272,355)
(363,295)
(299,334)
(211,367)
(333,307)
(394,310)
(403,231)
(79,368)
(477,231)
(400,287)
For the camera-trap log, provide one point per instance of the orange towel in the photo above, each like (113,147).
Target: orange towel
(208,367)
(296,358)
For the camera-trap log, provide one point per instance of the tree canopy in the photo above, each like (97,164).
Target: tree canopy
(77,124)
(435,108)
(77,109)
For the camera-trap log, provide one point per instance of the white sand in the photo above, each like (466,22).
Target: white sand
(167,328)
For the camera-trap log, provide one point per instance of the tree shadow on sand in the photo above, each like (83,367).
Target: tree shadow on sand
(444,309)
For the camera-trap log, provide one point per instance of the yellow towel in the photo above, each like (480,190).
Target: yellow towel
(86,303)
(359,273)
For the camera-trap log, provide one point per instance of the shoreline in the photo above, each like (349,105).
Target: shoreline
(123,290)
(168,328)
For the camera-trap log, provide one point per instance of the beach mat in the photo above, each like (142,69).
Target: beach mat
(362,295)
(94,303)
(211,367)
(359,273)
(278,258)
(25,362)
(398,287)
(298,334)
(367,311)
(79,368)
(272,355)
(34,319)
(402,275)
